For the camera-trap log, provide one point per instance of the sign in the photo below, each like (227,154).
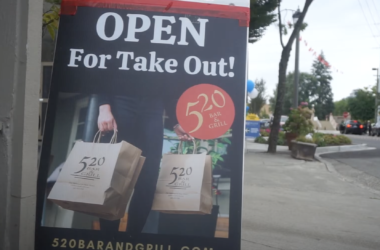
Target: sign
(208,118)
(167,78)
(345,115)
(252,129)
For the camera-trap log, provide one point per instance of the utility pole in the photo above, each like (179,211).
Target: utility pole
(376,94)
(296,16)
(296,72)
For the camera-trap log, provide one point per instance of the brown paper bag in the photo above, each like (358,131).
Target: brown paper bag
(129,190)
(128,194)
(96,177)
(184,184)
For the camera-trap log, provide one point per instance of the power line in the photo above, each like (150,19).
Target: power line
(370,12)
(361,7)
(332,27)
(373,1)
(329,27)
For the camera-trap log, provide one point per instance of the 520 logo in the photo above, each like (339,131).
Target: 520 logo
(181,178)
(205,111)
(90,168)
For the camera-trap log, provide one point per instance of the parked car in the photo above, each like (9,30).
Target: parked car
(365,128)
(351,127)
(375,129)
(284,118)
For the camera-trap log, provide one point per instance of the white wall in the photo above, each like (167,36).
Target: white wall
(20,65)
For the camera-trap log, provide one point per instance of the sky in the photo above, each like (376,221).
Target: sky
(348,33)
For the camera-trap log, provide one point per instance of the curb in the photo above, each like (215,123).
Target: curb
(373,138)
(359,178)
(327,164)
(337,149)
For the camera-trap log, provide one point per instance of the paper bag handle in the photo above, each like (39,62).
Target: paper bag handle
(180,147)
(114,137)
(98,135)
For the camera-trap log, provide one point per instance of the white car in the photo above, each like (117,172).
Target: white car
(284,118)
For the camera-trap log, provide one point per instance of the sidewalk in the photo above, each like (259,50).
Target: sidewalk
(292,204)
(256,147)
(334,132)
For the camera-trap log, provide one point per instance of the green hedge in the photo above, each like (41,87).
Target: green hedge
(281,139)
(264,132)
(324,140)
(261,140)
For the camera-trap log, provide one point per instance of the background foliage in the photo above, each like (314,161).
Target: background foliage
(256,104)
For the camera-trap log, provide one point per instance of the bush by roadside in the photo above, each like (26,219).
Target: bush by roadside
(281,138)
(322,140)
(325,140)
(261,140)
(264,132)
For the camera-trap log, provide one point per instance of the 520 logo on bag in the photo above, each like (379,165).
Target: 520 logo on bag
(89,168)
(205,111)
(180,178)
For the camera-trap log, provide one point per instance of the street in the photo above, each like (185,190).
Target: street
(296,205)
(366,163)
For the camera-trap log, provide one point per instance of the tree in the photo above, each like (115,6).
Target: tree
(50,18)
(264,115)
(361,104)
(282,73)
(324,104)
(307,91)
(257,103)
(261,17)
(340,107)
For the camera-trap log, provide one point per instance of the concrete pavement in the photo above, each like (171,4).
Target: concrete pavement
(362,167)
(293,204)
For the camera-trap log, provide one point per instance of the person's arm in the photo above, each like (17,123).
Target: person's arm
(170,107)
(104,99)
(106,120)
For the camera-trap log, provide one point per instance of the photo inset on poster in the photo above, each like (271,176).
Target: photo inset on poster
(94,176)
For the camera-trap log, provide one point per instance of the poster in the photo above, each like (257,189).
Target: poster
(252,129)
(145,96)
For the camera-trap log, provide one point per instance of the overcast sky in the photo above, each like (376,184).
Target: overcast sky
(339,28)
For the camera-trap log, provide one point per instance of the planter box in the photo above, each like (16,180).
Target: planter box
(303,151)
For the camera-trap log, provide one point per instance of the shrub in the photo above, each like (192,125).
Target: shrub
(304,139)
(323,140)
(264,132)
(281,139)
(336,140)
(299,121)
(319,139)
(261,140)
(344,140)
